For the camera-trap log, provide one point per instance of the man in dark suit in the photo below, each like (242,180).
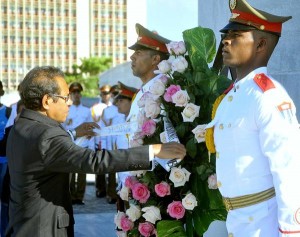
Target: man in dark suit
(41,155)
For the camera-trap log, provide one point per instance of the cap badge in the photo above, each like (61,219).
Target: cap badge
(232,4)
(234,15)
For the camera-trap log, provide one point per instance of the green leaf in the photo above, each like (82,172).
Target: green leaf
(201,45)
(191,148)
(170,228)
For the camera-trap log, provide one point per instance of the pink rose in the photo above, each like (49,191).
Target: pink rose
(126,224)
(171,90)
(140,192)
(162,189)
(130,181)
(146,229)
(176,210)
(148,128)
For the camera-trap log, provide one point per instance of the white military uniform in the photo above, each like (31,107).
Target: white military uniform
(97,110)
(258,147)
(110,117)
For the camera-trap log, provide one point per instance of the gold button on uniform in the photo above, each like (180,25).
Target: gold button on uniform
(219,184)
(230,235)
(251,218)
(221,126)
(230,98)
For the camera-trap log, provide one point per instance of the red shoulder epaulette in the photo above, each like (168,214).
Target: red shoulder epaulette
(228,89)
(264,82)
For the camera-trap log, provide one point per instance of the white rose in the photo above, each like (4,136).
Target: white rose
(163,67)
(124,193)
(199,132)
(179,176)
(171,59)
(146,96)
(180,98)
(177,48)
(189,202)
(157,88)
(152,109)
(179,64)
(152,214)
(117,219)
(134,212)
(190,112)
(212,182)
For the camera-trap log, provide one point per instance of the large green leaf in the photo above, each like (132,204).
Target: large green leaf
(201,45)
(170,228)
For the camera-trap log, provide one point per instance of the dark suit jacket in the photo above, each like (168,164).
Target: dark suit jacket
(41,155)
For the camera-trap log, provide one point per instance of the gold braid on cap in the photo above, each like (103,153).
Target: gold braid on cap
(209,133)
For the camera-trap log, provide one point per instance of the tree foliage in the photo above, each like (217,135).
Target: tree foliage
(87,73)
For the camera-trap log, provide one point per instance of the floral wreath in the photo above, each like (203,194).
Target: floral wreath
(185,199)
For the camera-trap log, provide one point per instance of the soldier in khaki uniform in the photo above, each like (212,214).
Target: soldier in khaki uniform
(256,132)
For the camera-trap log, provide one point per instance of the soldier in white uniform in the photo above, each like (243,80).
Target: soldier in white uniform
(256,132)
(97,111)
(110,116)
(78,114)
(123,103)
(98,108)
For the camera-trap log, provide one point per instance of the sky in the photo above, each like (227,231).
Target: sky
(171,17)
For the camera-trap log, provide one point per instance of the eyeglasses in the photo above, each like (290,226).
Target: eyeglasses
(65,98)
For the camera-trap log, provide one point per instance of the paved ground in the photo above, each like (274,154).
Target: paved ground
(96,217)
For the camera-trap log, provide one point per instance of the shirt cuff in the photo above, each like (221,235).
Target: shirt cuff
(71,135)
(151,153)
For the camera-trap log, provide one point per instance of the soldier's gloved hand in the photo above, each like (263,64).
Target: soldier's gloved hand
(171,150)
(86,129)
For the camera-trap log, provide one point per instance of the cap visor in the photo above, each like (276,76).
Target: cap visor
(137,46)
(236,26)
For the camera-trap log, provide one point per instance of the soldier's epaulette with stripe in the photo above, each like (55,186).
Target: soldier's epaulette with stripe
(263,82)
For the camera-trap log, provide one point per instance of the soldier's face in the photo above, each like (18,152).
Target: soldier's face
(142,63)
(123,106)
(239,48)
(75,96)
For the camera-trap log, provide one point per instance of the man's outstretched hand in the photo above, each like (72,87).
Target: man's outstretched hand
(169,150)
(86,129)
